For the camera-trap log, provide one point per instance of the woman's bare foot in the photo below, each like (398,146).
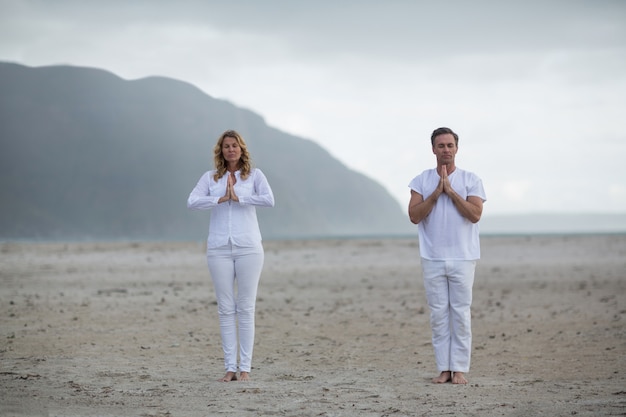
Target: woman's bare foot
(244,376)
(443,377)
(459,378)
(230,376)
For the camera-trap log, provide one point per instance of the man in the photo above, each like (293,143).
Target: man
(447,202)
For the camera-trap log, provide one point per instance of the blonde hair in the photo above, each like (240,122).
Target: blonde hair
(220,163)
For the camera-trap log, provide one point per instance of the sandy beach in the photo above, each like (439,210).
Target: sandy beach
(131,329)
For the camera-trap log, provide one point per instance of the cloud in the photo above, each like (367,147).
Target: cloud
(534,88)
(515,191)
(617,195)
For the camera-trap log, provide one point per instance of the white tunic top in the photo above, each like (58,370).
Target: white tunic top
(445,235)
(231,220)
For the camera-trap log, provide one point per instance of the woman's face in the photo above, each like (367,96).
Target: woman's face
(231,151)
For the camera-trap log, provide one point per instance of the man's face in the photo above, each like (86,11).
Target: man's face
(445,149)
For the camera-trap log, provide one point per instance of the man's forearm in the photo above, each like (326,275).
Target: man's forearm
(467,209)
(419,211)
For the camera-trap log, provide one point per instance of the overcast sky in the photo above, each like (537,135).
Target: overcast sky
(536,90)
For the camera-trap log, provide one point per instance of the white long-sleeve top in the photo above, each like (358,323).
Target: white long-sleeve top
(232,220)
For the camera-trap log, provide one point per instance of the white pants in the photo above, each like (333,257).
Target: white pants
(448,286)
(235,272)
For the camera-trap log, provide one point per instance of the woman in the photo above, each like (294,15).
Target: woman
(234,250)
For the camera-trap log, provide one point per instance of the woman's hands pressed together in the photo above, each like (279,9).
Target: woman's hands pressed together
(230,194)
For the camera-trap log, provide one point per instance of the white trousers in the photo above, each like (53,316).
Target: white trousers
(448,286)
(235,272)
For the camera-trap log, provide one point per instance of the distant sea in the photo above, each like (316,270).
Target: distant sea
(490,225)
(553,223)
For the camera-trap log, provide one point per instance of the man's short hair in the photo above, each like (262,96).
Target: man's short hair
(443,131)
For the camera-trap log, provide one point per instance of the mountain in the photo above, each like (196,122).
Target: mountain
(85,154)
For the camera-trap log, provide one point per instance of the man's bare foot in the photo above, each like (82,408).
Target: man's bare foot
(459,378)
(244,376)
(443,377)
(230,376)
